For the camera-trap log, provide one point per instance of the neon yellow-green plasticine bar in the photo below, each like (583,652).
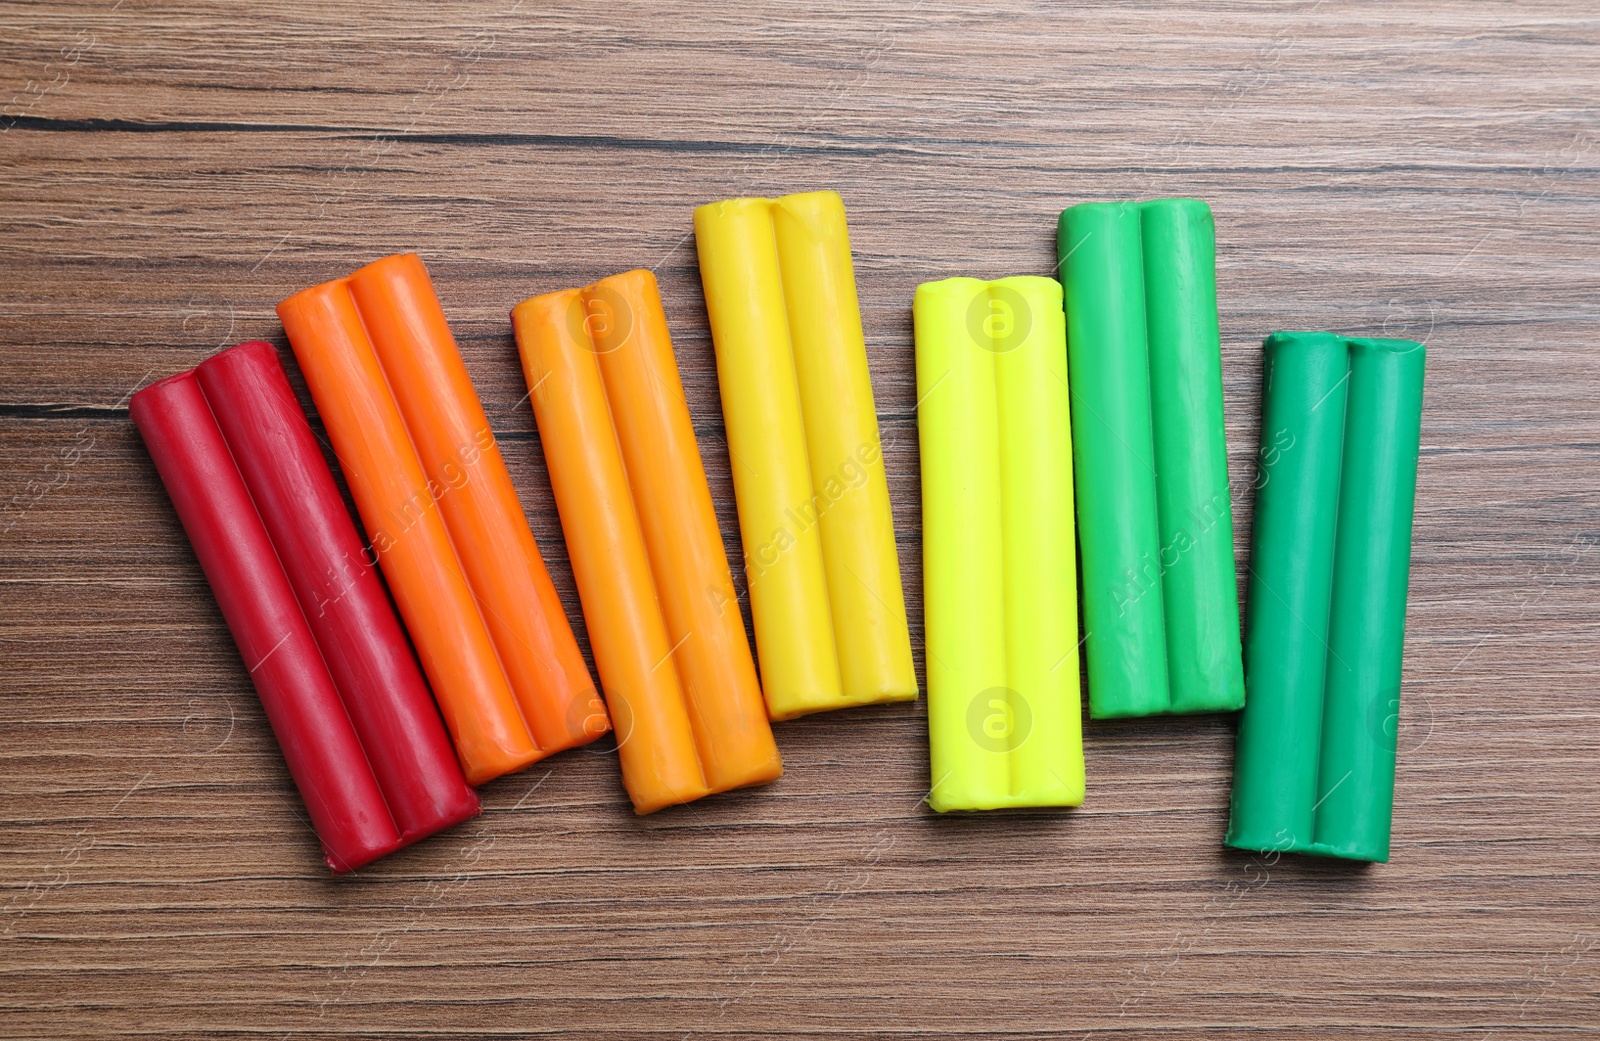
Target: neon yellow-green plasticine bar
(1000,581)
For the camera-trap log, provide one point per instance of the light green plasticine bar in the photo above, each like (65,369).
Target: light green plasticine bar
(1155,522)
(1000,581)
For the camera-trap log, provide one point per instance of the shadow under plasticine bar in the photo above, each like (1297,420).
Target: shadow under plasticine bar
(443,516)
(1155,521)
(1314,762)
(330,663)
(820,556)
(663,617)
(999,579)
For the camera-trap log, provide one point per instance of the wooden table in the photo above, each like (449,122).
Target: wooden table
(169,173)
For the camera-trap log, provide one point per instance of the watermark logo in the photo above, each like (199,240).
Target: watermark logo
(35,90)
(999,318)
(850,475)
(600,319)
(407,514)
(999,720)
(586,716)
(1405,320)
(1381,714)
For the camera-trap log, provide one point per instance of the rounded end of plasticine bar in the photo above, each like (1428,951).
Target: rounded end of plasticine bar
(305,297)
(1356,854)
(1252,843)
(533,308)
(728,208)
(662,800)
(1385,346)
(446,818)
(818,204)
(1374,343)
(1194,208)
(491,765)
(138,402)
(394,261)
(1127,708)
(1064,799)
(1255,841)
(1213,704)
(1090,211)
(638,278)
(959,286)
(342,866)
(1286,339)
(250,348)
(822,196)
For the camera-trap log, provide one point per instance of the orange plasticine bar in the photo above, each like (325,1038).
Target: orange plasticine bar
(407,534)
(652,572)
(400,506)
(480,507)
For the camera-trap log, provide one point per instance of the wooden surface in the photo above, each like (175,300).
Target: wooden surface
(169,172)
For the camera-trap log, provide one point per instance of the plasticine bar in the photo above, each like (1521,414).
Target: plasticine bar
(362,644)
(1155,522)
(1315,758)
(767,455)
(1193,503)
(1000,584)
(408,536)
(814,514)
(320,746)
(843,448)
(478,502)
(662,614)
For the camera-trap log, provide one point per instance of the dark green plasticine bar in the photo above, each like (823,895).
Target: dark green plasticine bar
(1155,523)
(1314,762)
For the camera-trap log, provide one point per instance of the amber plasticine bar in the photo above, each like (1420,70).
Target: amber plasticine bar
(662,614)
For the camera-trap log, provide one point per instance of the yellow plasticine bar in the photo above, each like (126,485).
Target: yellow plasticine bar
(814,514)
(850,488)
(766,445)
(1000,583)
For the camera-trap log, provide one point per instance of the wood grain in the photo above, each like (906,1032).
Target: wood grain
(169,172)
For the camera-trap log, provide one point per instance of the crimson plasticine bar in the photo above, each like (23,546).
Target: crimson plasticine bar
(333,577)
(319,744)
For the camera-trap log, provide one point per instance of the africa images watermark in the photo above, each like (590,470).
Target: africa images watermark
(59,73)
(850,475)
(1257,872)
(402,517)
(56,474)
(999,720)
(1200,520)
